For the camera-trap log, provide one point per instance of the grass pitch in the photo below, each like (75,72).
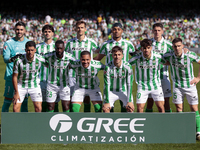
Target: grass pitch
(195,146)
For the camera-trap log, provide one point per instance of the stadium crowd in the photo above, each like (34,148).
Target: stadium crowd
(137,23)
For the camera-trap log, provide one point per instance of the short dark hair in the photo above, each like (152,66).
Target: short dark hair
(176,40)
(80,22)
(20,23)
(116,49)
(146,42)
(59,42)
(48,27)
(85,53)
(30,43)
(158,24)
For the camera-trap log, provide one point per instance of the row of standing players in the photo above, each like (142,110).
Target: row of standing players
(81,43)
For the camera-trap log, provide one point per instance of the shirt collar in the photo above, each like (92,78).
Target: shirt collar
(161,41)
(49,44)
(116,41)
(84,40)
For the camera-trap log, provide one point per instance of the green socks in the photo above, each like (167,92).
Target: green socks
(76,107)
(197,121)
(87,107)
(168,110)
(97,107)
(6,105)
(148,110)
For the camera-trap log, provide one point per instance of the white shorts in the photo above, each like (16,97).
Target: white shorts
(43,86)
(35,94)
(190,93)
(114,96)
(53,91)
(80,93)
(166,87)
(142,96)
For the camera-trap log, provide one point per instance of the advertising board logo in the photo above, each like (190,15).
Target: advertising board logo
(61,121)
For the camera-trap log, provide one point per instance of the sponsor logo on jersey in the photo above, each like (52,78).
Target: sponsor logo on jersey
(58,67)
(179,65)
(148,67)
(29,71)
(79,48)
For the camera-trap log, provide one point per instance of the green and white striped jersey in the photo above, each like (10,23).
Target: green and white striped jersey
(58,69)
(147,71)
(182,68)
(75,47)
(28,72)
(42,49)
(87,77)
(118,79)
(162,47)
(107,46)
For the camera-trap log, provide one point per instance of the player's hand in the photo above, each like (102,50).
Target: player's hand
(12,59)
(106,107)
(15,98)
(130,107)
(195,81)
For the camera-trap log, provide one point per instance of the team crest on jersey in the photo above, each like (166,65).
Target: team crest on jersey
(185,60)
(154,61)
(42,54)
(123,47)
(37,64)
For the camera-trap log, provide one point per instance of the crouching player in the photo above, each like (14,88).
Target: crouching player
(118,82)
(58,79)
(147,74)
(184,82)
(25,78)
(87,82)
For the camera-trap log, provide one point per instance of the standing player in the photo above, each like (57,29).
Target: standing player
(118,82)
(25,78)
(87,82)
(161,46)
(147,74)
(58,78)
(116,40)
(75,46)
(43,48)
(12,49)
(184,82)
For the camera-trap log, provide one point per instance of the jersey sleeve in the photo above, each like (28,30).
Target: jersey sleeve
(67,48)
(133,60)
(6,53)
(131,48)
(129,79)
(103,49)
(194,57)
(15,66)
(94,46)
(106,84)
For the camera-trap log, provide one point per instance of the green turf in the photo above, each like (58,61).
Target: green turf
(96,146)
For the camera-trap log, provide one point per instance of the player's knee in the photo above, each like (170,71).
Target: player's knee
(106,109)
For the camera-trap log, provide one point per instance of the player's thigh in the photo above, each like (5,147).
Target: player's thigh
(78,95)
(157,95)
(166,87)
(112,98)
(52,92)
(64,93)
(94,94)
(192,95)
(9,89)
(35,94)
(141,96)
(123,98)
(22,93)
(178,96)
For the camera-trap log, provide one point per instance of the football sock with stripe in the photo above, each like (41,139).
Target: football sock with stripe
(97,107)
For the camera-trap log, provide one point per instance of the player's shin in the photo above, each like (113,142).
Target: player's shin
(87,104)
(66,106)
(6,105)
(197,121)
(50,107)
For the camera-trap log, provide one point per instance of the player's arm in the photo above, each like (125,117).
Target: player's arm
(106,106)
(196,79)
(101,53)
(129,79)
(99,57)
(14,80)
(131,49)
